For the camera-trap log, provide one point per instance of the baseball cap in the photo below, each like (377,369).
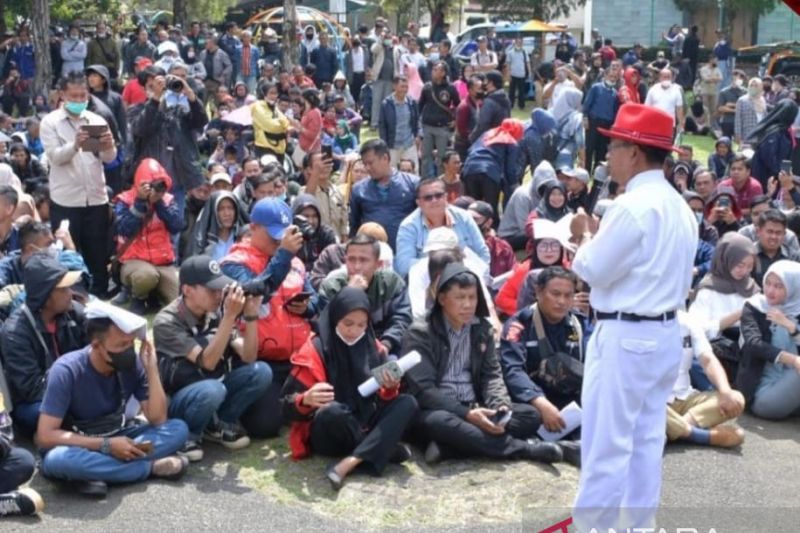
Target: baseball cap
(575,172)
(220,176)
(442,238)
(274,215)
(683,166)
(203,270)
(567,170)
(144,62)
(482,208)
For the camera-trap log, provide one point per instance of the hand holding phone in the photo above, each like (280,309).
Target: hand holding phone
(501,417)
(146,446)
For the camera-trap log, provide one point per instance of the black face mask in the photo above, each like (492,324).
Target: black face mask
(123,361)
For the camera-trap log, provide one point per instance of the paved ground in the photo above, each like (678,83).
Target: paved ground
(749,490)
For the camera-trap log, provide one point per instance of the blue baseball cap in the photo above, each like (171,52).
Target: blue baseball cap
(274,214)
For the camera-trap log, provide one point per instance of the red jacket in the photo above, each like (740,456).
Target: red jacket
(308,369)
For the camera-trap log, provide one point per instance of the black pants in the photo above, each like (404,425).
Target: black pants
(23,104)
(596,144)
(482,187)
(517,88)
(355,86)
(90,230)
(336,432)
(15,469)
(517,242)
(115,180)
(263,419)
(727,129)
(458,438)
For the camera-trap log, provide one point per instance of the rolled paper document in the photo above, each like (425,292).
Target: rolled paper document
(407,362)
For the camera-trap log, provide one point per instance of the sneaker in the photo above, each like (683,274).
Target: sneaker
(231,436)
(401,454)
(122,297)
(192,451)
(138,306)
(571,449)
(91,489)
(22,502)
(543,452)
(433,454)
(171,468)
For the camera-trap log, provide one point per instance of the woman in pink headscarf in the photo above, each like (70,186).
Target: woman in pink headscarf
(493,164)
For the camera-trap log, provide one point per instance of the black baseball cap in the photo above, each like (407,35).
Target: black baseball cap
(484,209)
(203,270)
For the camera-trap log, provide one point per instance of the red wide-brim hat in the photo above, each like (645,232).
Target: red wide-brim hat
(643,124)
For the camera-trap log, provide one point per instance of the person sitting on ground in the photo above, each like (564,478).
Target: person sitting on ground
(523,352)
(553,205)
(266,262)
(708,233)
(721,158)
(333,257)
(432,212)
(390,309)
(148,218)
(219,226)
(722,211)
(9,233)
(538,138)
(744,186)
(524,200)
(769,370)
(27,168)
(317,172)
(758,206)
(37,333)
(209,370)
(459,385)
(771,230)
(87,393)
(451,175)
(329,416)
(316,235)
(502,258)
(577,185)
(695,416)
(16,467)
(547,249)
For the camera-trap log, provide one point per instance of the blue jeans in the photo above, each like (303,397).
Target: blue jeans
(228,399)
(179,194)
(26,415)
(72,463)
(778,392)
(16,469)
(699,379)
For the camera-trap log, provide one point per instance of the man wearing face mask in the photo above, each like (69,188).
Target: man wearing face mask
(84,432)
(668,97)
(73,51)
(384,61)
(77,178)
(48,325)
(600,108)
(308,45)
(103,50)
(727,102)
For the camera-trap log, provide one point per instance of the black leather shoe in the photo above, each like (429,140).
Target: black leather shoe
(571,449)
(91,489)
(433,454)
(543,452)
(401,454)
(335,479)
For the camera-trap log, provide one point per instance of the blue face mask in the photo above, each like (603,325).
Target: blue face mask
(699,216)
(75,108)
(282,197)
(176,99)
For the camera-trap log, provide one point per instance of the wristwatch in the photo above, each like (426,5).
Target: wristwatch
(249,318)
(105,446)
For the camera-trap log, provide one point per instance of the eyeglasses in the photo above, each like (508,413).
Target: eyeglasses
(431,197)
(549,246)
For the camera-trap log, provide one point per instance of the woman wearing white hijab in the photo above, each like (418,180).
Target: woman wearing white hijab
(769,371)
(25,204)
(570,141)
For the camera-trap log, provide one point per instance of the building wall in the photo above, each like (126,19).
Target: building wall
(782,24)
(628,21)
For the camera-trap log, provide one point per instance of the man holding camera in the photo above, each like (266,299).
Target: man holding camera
(147,221)
(77,143)
(210,371)
(164,128)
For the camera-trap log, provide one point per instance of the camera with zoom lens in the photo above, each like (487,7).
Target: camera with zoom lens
(174,84)
(159,186)
(304,227)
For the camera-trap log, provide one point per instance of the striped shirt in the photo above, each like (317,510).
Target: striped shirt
(457,379)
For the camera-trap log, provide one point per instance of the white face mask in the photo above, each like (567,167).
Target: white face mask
(350,343)
(666,84)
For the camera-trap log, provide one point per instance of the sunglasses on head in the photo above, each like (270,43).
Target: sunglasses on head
(433,196)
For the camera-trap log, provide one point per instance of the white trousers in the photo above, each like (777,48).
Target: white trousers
(629,373)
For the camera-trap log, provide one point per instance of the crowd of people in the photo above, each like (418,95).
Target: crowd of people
(293,230)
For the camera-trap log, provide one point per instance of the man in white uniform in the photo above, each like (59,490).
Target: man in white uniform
(639,266)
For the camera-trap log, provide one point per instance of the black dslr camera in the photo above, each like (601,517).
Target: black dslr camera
(174,84)
(303,226)
(159,186)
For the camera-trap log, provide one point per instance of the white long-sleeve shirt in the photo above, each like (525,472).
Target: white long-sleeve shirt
(695,345)
(642,257)
(710,306)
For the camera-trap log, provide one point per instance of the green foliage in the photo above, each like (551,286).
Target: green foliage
(758,7)
(65,10)
(545,10)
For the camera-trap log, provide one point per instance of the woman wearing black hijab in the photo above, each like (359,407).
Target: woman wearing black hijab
(773,141)
(321,396)
(553,205)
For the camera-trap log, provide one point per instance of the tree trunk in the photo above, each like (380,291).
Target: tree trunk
(180,13)
(2,16)
(40,34)
(291,51)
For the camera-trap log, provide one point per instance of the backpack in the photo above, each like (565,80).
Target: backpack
(281,333)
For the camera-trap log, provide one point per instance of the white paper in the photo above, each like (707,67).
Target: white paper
(572,420)
(408,361)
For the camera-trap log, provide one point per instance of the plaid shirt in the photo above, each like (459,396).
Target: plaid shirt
(746,118)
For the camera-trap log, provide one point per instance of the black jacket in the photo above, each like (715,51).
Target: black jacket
(437,104)
(757,350)
(113,100)
(430,339)
(320,239)
(168,136)
(496,108)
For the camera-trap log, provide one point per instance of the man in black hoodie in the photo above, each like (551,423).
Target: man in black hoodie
(316,235)
(496,106)
(47,325)
(99,80)
(465,408)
